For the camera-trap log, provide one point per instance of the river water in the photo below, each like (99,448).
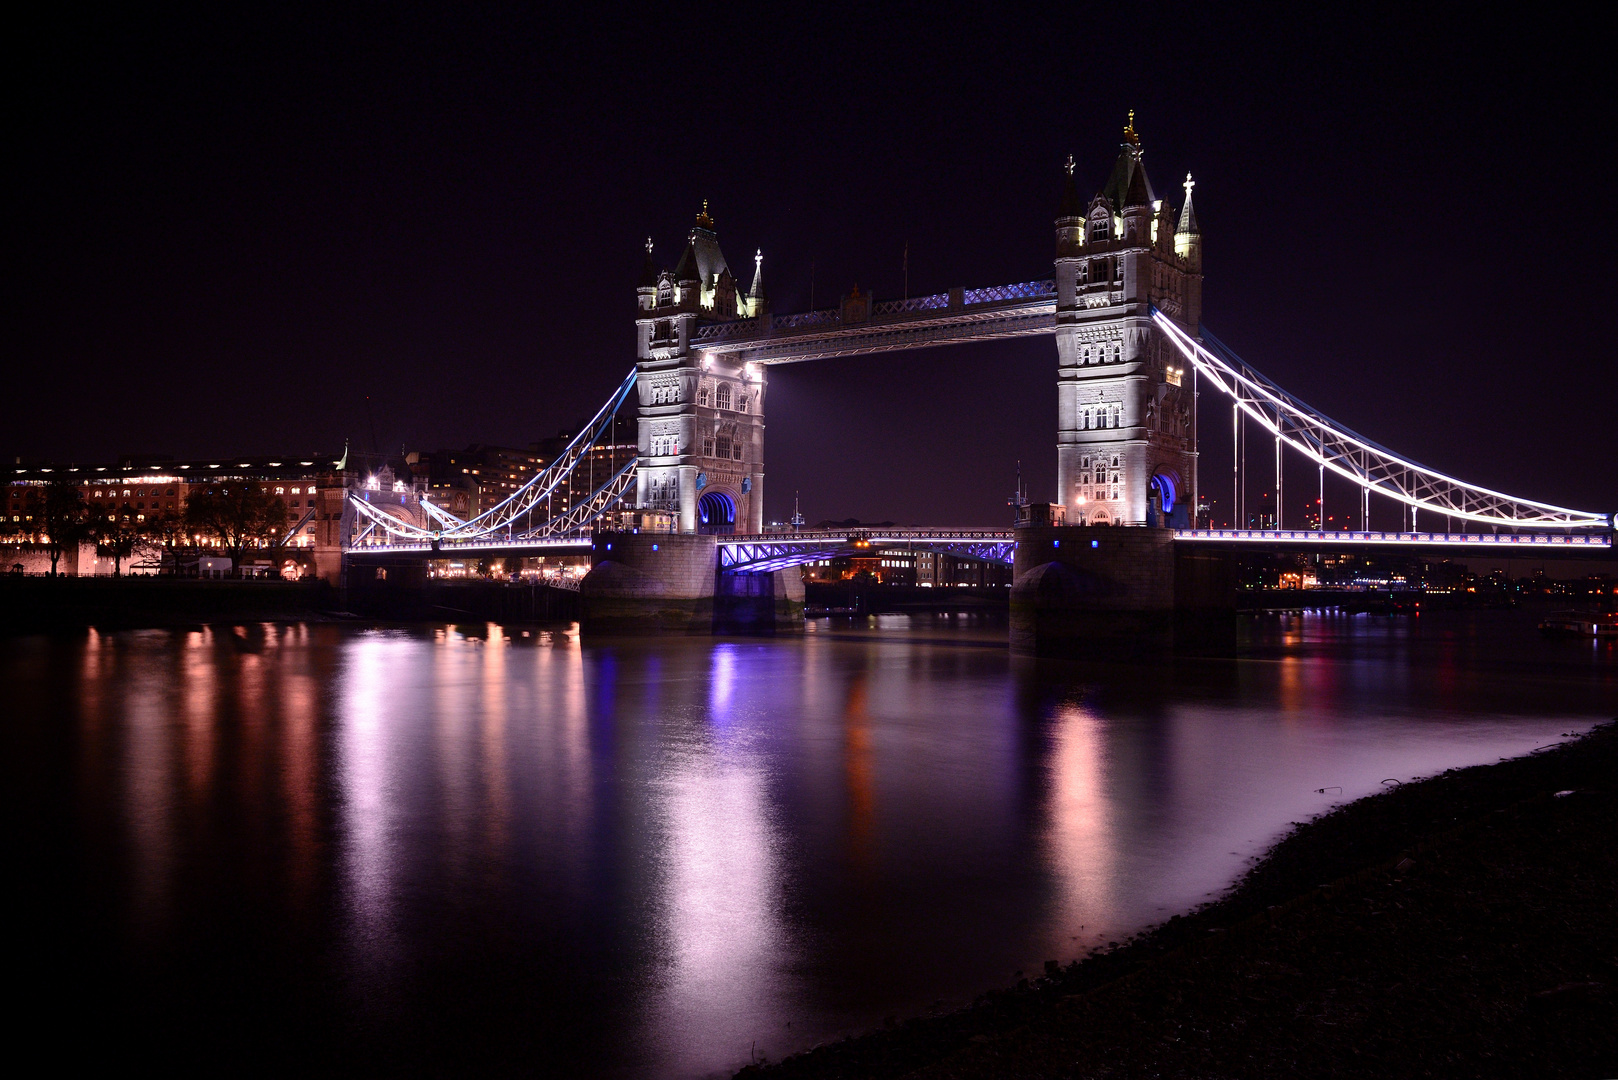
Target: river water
(474,849)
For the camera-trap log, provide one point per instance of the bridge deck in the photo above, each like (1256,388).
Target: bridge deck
(764,551)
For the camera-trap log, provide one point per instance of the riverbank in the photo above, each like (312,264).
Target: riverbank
(39,605)
(1459,926)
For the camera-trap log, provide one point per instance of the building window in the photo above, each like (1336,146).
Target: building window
(723,396)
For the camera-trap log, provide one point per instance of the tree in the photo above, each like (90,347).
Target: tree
(239,515)
(170,530)
(116,533)
(60,514)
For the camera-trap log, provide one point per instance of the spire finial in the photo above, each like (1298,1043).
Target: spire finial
(1188,185)
(703,220)
(1070,164)
(648,247)
(1129,130)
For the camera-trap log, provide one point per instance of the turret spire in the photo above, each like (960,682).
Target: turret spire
(1188,216)
(648,270)
(1070,206)
(757,291)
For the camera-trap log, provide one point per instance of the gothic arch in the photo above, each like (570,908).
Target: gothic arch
(716,512)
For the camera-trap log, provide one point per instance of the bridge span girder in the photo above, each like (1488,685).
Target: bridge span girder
(771,552)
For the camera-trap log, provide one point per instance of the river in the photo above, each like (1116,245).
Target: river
(448,849)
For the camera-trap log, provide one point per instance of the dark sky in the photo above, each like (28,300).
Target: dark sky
(227,229)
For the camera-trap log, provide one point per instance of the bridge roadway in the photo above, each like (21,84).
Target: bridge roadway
(764,552)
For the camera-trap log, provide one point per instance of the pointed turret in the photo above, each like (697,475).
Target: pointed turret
(1069,216)
(1188,246)
(1071,205)
(648,269)
(1128,172)
(646,288)
(1188,216)
(756,293)
(686,269)
(1139,192)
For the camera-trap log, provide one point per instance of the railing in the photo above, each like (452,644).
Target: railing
(827,317)
(1584,540)
(723,330)
(1028,290)
(915,303)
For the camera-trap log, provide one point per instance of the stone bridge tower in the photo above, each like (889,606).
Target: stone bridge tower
(1126,444)
(701,418)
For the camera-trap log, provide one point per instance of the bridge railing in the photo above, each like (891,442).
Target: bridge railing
(1027,290)
(1345,536)
(934,302)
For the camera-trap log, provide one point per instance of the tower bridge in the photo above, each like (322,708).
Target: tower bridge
(1124,306)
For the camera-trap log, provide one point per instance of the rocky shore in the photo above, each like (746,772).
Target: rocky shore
(1462,926)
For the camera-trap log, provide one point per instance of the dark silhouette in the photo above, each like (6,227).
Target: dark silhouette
(239,516)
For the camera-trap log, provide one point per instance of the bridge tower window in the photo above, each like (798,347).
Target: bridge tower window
(723,396)
(705,394)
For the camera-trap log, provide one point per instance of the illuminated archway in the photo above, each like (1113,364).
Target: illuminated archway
(1168,493)
(716,514)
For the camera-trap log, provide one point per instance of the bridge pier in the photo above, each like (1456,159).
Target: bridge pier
(648,583)
(1082,591)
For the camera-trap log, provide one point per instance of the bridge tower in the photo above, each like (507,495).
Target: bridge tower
(701,418)
(1126,438)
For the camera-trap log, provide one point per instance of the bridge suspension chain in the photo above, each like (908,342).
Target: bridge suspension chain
(504,516)
(1373,467)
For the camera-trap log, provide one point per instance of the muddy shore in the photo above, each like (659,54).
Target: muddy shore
(1462,926)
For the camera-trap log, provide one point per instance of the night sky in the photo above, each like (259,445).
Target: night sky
(228,229)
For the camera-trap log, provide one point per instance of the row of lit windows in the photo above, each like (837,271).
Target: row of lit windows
(720,397)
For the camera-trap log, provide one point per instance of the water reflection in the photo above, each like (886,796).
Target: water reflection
(477,849)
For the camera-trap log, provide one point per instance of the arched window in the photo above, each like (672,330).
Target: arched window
(741,402)
(723,396)
(705,395)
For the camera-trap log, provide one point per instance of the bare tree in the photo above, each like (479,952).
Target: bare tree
(239,514)
(60,517)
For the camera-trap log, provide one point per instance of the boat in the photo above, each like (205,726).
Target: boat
(1580,624)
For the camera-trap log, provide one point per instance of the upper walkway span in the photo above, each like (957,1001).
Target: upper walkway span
(860,328)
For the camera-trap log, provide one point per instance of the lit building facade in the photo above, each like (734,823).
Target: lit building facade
(150,496)
(701,418)
(1126,438)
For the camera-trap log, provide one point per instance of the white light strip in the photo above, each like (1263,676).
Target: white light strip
(1218,371)
(1422,539)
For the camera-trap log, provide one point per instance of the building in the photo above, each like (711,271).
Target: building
(150,495)
(940,569)
(598,465)
(701,428)
(1126,438)
(468,482)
